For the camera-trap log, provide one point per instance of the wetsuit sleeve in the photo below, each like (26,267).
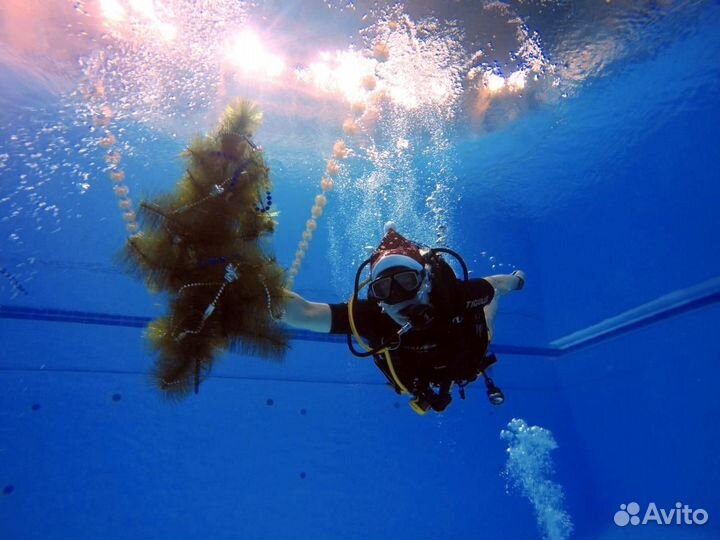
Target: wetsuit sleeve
(339,321)
(479,292)
(367,316)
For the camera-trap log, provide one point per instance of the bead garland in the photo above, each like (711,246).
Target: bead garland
(227,185)
(268,297)
(264,207)
(230,276)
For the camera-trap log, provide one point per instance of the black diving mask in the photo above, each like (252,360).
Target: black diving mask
(396,286)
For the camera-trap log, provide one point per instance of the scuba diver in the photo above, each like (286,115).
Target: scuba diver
(425,328)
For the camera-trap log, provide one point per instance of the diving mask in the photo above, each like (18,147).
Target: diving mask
(409,307)
(396,286)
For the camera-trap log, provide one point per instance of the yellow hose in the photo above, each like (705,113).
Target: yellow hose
(385,352)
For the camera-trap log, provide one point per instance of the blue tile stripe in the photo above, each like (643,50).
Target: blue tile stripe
(667,306)
(649,320)
(682,302)
(105,319)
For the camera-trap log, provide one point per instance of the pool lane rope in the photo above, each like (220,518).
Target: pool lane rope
(332,169)
(351,126)
(102,117)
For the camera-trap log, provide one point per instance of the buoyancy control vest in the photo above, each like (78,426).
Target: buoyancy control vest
(451,349)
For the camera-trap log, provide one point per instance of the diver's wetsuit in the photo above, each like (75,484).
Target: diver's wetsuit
(451,348)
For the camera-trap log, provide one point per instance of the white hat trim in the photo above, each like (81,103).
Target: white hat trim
(394,259)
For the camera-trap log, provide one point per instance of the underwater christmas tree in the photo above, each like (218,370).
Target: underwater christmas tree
(203,246)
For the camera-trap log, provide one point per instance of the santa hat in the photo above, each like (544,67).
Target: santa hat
(395,250)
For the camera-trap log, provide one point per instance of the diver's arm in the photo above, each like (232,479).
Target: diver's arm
(306,315)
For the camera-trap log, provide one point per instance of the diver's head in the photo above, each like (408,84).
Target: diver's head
(400,280)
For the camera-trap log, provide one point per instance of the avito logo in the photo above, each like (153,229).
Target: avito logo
(682,514)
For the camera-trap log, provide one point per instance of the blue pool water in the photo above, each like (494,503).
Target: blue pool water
(574,140)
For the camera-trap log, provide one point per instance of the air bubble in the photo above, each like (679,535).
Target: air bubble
(529,468)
